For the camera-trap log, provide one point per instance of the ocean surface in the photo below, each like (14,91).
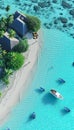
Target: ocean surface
(55,61)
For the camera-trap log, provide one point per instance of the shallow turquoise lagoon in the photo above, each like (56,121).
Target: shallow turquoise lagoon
(55,61)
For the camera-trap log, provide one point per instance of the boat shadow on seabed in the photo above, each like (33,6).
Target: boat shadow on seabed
(49,99)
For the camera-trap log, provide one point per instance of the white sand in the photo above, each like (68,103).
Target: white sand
(22,76)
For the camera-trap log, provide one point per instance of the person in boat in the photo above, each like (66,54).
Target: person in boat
(56,93)
(53,91)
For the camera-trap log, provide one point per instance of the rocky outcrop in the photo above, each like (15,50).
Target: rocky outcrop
(54,1)
(63,20)
(55,21)
(66,5)
(36,8)
(44,4)
(64,25)
(72,12)
(70,24)
(34,1)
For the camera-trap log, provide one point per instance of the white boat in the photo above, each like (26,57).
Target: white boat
(56,94)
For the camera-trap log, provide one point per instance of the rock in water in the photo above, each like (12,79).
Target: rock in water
(66,5)
(72,12)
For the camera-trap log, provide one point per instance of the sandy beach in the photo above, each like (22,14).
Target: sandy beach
(13,94)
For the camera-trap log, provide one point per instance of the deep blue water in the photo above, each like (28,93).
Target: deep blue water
(55,61)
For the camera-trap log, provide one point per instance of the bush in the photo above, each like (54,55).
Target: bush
(5,75)
(12,33)
(5,23)
(0,94)
(33,23)
(5,79)
(14,60)
(22,46)
(9,20)
(1,34)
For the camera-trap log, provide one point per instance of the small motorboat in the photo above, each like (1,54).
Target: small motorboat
(42,89)
(56,94)
(61,81)
(73,64)
(67,109)
(33,115)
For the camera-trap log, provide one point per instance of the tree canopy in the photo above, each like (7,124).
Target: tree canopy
(12,33)
(33,23)
(22,46)
(14,60)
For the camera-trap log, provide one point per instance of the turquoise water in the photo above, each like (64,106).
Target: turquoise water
(55,61)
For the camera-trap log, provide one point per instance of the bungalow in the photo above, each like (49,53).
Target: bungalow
(20,27)
(8,43)
(23,17)
(19,24)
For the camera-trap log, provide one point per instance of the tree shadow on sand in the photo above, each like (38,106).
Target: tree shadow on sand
(49,99)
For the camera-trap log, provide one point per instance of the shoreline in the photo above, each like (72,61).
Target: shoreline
(21,80)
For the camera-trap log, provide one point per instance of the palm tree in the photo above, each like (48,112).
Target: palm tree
(10,19)
(1,33)
(12,33)
(3,23)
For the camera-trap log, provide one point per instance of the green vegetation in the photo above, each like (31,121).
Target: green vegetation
(1,33)
(22,46)
(5,23)
(9,20)
(9,62)
(0,94)
(14,60)
(6,74)
(12,33)
(1,58)
(33,23)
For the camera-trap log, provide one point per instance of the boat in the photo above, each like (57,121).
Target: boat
(42,89)
(56,94)
(73,64)
(33,115)
(67,109)
(61,81)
